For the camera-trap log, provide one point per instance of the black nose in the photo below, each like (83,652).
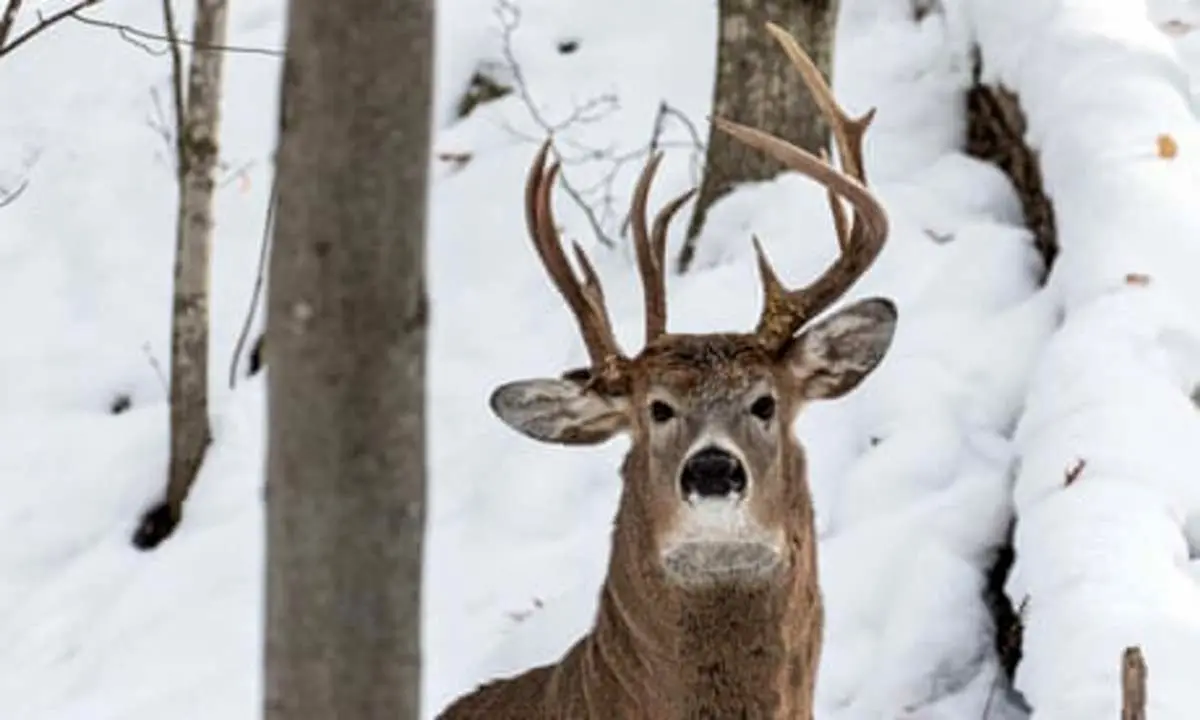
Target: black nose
(712,472)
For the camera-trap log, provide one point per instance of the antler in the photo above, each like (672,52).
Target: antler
(786,311)
(586,299)
(651,248)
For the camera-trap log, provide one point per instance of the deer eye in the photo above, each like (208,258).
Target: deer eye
(763,408)
(661,412)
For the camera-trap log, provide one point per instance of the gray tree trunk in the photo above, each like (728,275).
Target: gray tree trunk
(756,85)
(199,124)
(346,320)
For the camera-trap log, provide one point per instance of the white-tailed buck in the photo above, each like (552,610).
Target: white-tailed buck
(711,606)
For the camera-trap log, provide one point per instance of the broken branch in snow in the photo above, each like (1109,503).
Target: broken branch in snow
(1133,684)
(44,23)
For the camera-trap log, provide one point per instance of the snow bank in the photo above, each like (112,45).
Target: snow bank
(1108,442)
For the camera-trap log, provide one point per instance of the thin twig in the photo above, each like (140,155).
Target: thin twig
(510,17)
(8,197)
(11,8)
(137,35)
(665,110)
(591,111)
(162,378)
(261,273)
(177,89)
(44,23)
(161,126)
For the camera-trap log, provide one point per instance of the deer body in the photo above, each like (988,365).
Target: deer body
(656,652)
(711,605)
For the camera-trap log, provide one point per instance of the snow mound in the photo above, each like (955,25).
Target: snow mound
(1107,484)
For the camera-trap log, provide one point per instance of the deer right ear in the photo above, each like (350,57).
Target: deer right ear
(561,411)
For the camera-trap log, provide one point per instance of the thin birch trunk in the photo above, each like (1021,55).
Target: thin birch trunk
(199,121)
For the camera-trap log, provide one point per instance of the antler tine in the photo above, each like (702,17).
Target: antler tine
(651,248)
(586,300)
(654,282)
(785,311)
(662,223)
(848,133)
(841,226)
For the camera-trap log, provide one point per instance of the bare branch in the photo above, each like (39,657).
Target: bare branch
(11,8)
(8,197)
(665,110)
(590,111)
(263,253)
(157,367)
(510,16)
(161,125)
(176,87)
(138,37)
(43,24)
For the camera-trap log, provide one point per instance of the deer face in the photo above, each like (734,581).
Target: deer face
(714,473)
(711,418)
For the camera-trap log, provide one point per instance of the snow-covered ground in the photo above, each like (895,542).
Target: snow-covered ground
(913,475)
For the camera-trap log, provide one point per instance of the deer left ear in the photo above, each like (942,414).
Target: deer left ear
(833,356)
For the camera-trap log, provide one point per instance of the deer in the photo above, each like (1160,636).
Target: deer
(711,605)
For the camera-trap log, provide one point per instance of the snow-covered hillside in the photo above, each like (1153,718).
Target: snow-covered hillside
(916,476)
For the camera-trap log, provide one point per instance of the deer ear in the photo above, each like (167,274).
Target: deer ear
(561,411)
(833,356)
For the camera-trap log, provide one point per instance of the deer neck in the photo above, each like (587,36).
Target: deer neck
(726,651)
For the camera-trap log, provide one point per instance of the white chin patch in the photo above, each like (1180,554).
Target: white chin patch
(716,540)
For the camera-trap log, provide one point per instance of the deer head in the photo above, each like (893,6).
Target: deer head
(710,415)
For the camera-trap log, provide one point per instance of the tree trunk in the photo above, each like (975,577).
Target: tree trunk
(197,156)
(346,320)
(757,85)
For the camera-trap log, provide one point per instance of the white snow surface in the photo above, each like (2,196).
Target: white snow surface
(1107,492)
(916,476)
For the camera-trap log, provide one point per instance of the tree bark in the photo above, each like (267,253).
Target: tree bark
(996,134)
(346,324)
(199,124)
(756,85)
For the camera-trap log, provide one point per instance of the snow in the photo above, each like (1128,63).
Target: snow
(993,389)
(1106,484)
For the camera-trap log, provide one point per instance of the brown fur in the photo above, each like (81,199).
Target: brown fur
(661,652)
